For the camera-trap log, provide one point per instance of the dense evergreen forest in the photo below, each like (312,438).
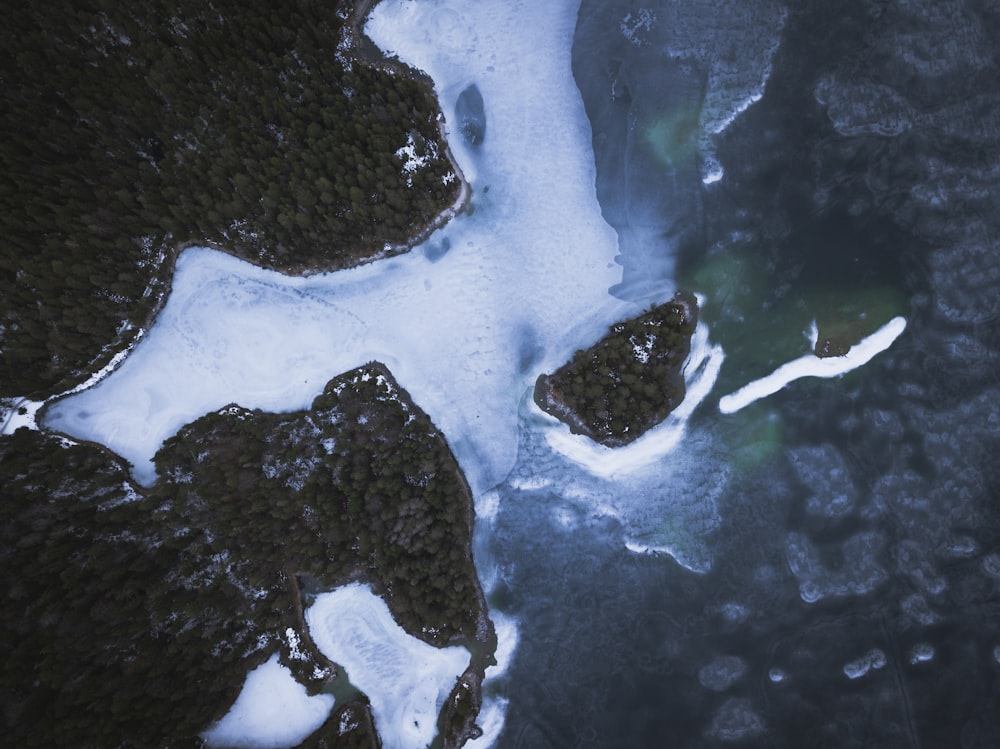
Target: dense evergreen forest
(132,619)
(627,382)
(133,128)
(131,131)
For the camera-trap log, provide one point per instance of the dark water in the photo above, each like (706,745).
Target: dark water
(853,598)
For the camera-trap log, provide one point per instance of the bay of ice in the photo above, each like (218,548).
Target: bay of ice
(272,711)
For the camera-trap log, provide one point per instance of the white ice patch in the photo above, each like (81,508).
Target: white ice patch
(713,173)
(811,365)
(487,506)
(11,419)
(491,720)
(507,637)
(272,711)
(739,109)
(494,709)
(921,653)
(406,680)
(874,659)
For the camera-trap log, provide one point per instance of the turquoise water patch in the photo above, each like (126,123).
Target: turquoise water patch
(760,332)
(757,435)
(671,135)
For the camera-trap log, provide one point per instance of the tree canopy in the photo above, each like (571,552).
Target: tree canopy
(133,617)
(131,129)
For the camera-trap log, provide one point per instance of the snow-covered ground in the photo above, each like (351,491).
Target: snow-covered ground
(406,679)
(12,418)
(525,279)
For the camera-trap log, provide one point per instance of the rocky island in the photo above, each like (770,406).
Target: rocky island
(627,382)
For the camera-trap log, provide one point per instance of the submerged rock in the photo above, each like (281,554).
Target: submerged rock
(722,672)
(470,113)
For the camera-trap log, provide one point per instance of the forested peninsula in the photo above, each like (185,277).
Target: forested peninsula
(277,133)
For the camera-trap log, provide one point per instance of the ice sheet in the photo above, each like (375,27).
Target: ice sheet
(406,679)
(272,711)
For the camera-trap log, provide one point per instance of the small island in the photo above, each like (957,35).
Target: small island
(627,382)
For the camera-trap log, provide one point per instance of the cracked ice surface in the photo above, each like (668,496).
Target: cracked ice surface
(525,278)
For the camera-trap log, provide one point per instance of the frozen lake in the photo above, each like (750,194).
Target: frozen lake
(780,546)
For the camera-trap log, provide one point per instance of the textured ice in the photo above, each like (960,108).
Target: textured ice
(824,472)
(736,720)
(668,507)
(858,108)
(722,672)
(860,573)
(406,680)
(695,32)
(272,711)
(921,653)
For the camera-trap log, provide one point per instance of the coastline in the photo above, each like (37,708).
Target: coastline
(648,364)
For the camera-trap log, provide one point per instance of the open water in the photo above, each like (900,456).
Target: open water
(846,581)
